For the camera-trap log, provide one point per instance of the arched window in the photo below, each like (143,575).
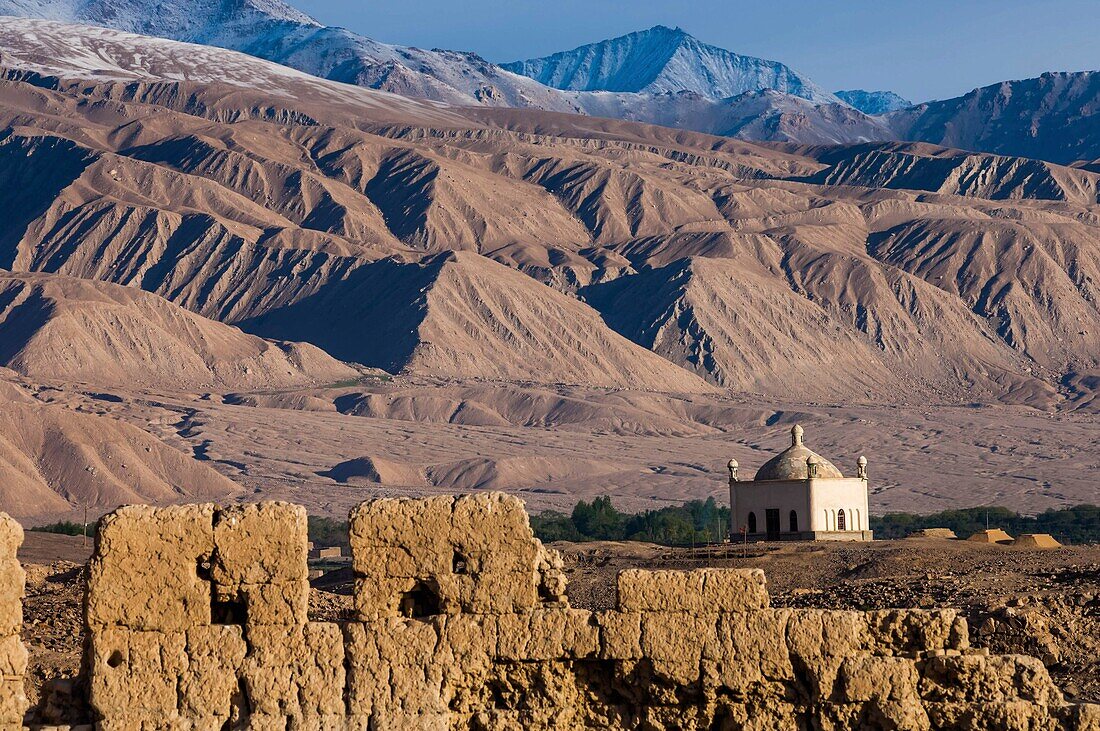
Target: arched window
(794,522)
(856,525)
(840,520)
(752,522)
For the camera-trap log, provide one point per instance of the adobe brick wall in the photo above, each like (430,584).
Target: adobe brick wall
(197,619)
(13,656)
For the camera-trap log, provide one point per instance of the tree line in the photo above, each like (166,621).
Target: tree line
(1076,525)
(694,522)
(698,522)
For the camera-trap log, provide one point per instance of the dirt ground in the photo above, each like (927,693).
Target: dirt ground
(1044,603)
(645,451)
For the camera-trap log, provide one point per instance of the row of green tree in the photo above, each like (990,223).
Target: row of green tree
(1079,524)
(699,521)
(694,522)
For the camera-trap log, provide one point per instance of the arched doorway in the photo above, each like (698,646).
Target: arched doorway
(840,522)
(794,522)
(752,522)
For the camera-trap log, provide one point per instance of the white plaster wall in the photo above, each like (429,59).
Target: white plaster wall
(759,496)
(829,496)
(817,502)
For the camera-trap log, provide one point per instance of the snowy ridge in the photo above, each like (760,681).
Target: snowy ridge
(273,30)
(199,21)
(874,102)
(662,60)
(91,53)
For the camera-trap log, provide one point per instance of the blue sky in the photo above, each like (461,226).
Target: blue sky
(932,49)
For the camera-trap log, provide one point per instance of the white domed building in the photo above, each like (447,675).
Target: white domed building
(799,496)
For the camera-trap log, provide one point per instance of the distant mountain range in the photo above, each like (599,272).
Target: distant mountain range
(660,76)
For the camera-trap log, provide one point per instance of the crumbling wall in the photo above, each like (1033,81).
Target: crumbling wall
(197,620)
(13,656)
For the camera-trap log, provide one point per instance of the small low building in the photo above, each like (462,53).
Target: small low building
(991,535)
(944,533)
(325,552)
(799,496)
(1036,540)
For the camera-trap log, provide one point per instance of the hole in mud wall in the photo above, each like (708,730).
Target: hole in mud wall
(228,611)
(421,601)
(116,659)
(499,694)
(459,564)
(223,610)
(603,685)
(331,577)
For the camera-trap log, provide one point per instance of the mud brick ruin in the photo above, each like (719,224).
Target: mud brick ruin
(197,619)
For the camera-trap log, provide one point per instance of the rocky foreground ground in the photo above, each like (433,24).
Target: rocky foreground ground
(1044,603)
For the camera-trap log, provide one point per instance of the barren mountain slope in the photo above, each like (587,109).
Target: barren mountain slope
(917,166)
(863,334)
(539,407)
(248,206)
(461,315)
(55,460)
(55,328)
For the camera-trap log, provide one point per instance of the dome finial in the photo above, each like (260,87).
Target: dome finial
(861,467)
(732,467)
(796,435)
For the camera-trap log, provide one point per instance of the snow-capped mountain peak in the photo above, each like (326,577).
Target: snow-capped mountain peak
(663,59)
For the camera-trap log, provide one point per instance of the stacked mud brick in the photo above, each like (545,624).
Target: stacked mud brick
(13,656)
(198,620)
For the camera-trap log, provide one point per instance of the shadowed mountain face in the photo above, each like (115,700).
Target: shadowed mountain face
(1053,117)
(421,239)
(57,328)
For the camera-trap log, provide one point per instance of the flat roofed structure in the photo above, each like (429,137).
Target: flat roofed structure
(799,495)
